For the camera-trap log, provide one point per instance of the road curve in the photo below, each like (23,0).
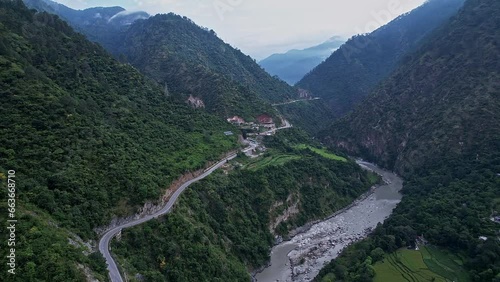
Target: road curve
(114,273)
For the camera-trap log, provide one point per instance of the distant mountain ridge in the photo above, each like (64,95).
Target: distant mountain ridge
(294,64)
(353,71)
(100,24)
(89,16)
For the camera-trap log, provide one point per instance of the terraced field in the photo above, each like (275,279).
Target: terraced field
(444,264)
(426,264)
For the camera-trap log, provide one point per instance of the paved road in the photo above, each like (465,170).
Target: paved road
(272,131)
(114,273)
(295,101)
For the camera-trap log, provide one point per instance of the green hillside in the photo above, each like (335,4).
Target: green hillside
(220,227)
(442,102)
(190,60)
(88,137)
(151,43)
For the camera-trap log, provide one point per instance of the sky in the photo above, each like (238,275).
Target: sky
(263,27)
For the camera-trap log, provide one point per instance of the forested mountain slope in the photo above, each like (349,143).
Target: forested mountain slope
(436,120)
(443,100)
(187,60)
(353,71)
(89,137)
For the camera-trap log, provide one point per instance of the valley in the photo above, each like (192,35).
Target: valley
(242,173)
(146,147)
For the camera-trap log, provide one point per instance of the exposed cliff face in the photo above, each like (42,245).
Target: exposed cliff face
(195,102)
(291,208)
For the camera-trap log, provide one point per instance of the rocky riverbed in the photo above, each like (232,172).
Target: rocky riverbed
(301,258)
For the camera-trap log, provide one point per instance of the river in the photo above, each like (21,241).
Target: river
(301,258)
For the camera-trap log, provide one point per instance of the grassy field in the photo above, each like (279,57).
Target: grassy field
(275,159)
(445,264)
(272,160)
(322,152)
(427,264)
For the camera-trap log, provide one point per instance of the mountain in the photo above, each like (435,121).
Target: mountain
(432,105)
(100,24)
(87,18)
(436,121)
(188,60)
(294,64)
(89,138)
(353,71)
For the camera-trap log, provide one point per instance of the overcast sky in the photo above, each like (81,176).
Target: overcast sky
(263,27)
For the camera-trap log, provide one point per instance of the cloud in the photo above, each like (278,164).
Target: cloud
(127,13)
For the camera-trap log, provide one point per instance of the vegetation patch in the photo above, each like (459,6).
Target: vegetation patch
(220,226)
(426,264)
(271,160)
(444,263)
(322,152)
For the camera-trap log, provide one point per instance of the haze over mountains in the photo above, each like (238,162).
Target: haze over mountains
(94,133)
(294,64)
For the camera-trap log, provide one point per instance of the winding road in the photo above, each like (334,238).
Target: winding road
(104,243)
(295,101)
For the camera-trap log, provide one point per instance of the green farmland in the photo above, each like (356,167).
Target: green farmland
(270,160)
(426,264)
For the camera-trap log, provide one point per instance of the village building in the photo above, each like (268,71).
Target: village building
(265,119)
(236,120)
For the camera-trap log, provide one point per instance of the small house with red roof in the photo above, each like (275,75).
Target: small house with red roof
(265,119)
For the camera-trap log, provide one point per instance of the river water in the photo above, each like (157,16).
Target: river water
(301,258)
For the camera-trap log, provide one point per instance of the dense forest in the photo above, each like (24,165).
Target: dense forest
(312,116)
(186,59)
(436,121)
(89,138)
(355,69)
(175,36)
(221,226)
